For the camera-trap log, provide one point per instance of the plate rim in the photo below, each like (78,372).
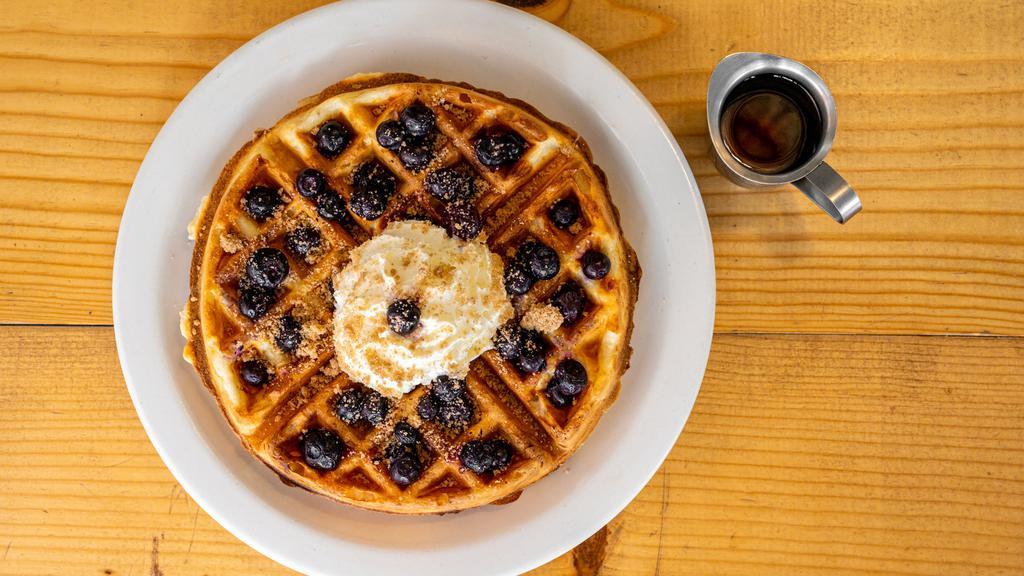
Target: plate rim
(283,28)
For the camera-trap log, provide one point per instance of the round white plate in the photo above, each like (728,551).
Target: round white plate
(491,46)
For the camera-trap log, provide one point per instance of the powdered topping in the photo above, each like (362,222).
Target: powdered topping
(457,286)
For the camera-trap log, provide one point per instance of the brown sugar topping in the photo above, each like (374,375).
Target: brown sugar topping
(230,243)
(331,369)
(542,318)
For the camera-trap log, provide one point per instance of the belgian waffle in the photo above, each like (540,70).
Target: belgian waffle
(302,385)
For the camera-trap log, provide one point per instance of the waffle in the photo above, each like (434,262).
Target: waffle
(514,204)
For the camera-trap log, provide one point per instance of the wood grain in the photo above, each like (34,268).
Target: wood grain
(805,455)
(931,132)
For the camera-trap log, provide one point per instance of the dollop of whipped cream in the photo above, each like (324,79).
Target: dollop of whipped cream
(457,285)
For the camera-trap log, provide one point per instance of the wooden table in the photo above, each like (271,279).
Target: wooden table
(863,409)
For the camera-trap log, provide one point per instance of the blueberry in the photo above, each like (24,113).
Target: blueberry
(348,405)
(540,260)
(374,176)
(448,389)
(267,268)
(557,398)
(564,213)
(486,456)
(396,449)
(405,469)
(595,265)
(570,377)
(289,334)
(375,407)
(427,407)
(532,356)
(525,251)
(463,220)
(570,301)
(331,206)
(391,135)
(518,279)
(322,449)
(374,184)
(254,373)
(260,202)
(405,434)
(368,204)
(254,302)
(458,413)
(508,341)
(311,183)
(418,120)
(403,316)
(499,148)
(332,138)
(302,240)
(416,158)
(449,403)
(449,184)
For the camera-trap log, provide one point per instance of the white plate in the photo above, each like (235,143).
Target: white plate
(490,46)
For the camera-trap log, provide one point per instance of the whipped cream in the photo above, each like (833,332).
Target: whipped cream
(456,284)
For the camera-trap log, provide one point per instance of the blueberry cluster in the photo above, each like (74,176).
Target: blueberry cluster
(565,213)
(499,147)
(455,187)
(411,137)
(527,349)
(486,456)
(406,454)
(448,403)
(322,448)
(358,404)
(311,183)
(265,270)
(533,261)
(372,186)
(568,381)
